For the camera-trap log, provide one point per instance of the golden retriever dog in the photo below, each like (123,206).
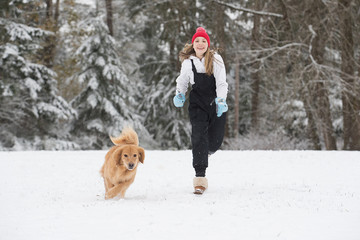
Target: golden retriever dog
(121,163)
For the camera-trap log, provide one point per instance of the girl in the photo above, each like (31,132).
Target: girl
(205,70)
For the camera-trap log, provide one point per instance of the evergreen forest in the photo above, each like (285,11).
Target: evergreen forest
(73,73)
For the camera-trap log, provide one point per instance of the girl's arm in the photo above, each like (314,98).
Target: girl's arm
(182,81)
(220,77)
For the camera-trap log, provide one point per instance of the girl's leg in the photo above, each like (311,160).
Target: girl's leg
(200,148)
(216,132)
(199,140)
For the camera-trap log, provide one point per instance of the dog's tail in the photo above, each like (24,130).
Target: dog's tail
(128,136)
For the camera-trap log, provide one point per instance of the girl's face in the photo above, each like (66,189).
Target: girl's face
(200,46)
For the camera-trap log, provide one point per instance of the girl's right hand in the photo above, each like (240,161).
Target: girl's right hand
(179,100)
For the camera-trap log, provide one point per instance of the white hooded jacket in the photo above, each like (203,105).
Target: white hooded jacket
(187,76)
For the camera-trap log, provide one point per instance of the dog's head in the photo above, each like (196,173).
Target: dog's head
(130,156)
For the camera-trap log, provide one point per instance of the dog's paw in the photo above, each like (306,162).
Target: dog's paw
(108,196)
(119,198)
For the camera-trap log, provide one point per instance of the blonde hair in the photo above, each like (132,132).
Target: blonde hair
(188,50)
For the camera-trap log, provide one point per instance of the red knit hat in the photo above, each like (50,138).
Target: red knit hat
(200,32)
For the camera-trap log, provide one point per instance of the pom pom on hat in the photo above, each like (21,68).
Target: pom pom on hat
(200,32)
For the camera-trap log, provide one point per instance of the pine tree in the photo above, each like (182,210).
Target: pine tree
(162,119)
(29,103)
(159,66)
(106,104)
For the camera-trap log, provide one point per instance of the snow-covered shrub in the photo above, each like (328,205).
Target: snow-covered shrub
(294,117)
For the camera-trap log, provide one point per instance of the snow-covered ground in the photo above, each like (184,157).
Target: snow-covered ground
(294,195)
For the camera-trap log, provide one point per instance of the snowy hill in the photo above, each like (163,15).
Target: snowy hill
(252,195)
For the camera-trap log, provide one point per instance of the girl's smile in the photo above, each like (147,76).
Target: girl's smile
(200,46)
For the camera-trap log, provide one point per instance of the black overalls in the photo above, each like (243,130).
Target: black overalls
(207,129)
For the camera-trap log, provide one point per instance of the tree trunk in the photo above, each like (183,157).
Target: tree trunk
(57,13)
(96,7)
(323,109)
(350,95)
(220,29)
(48,9)
(237,98)
(311,131)
(320,93)
(48,51)
(109,16)
(255,85)
(356,140)
(172,55)
(4,6)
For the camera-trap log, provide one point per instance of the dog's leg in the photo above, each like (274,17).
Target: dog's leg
(126,186)
(118,189)
(114,191)
(107,184)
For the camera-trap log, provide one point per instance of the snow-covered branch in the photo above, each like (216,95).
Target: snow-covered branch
(262,13)
(22,32)
(313,35)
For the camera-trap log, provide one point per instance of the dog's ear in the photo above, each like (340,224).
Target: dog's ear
(118,156)
(141,154)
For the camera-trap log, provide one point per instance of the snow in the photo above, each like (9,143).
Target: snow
(46,108)
(33,87)
(93,84)
(95,124)
(23,32)
(10,49)
(91,3)
(92,99)
(110,109)
(252,195)
(100,62)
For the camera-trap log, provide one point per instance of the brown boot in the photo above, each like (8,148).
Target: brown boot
(200,185)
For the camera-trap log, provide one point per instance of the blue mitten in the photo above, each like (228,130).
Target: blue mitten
(179,100)
(221,106)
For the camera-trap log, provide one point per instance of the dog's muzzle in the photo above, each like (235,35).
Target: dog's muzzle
(131,166)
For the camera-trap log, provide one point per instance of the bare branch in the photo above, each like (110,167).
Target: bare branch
(269,14)
(267,52)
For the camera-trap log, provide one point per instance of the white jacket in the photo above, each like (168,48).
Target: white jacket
(187,76)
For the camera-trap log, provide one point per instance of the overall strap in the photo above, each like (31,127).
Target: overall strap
(193,66)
